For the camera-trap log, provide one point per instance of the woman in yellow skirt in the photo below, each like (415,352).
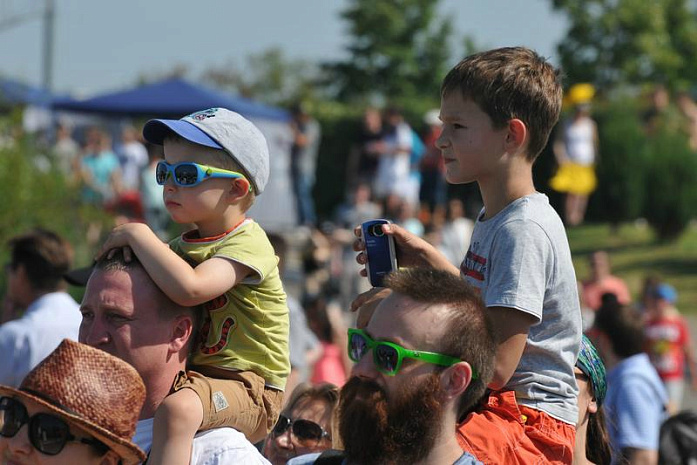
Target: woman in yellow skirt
(576,149)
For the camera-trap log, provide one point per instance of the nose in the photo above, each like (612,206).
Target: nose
(441,141)
(365,368)
(19,444)
(169,185)
(283,441)
(93,333)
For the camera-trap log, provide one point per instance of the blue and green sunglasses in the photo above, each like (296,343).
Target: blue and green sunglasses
(388,356)
(188,174)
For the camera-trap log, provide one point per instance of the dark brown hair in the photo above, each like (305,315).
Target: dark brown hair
(45,257)
(511,83)
(469,334)
(622,325)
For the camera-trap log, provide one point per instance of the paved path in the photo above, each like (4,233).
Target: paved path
(690,398)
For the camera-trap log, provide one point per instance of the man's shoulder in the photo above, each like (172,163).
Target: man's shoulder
(224,445)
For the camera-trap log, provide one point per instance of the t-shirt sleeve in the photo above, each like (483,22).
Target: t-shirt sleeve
(638,416)
(13,347)
(520,262)
(252,249)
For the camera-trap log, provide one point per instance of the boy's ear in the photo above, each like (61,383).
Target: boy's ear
(239,188)
(517,136)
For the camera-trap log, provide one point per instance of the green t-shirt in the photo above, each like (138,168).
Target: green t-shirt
(247,327)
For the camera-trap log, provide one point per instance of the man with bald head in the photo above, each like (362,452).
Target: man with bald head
(125,314)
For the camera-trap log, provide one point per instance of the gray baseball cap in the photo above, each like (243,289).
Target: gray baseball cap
(222,129)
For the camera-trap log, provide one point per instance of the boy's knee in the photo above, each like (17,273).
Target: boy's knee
(182,407)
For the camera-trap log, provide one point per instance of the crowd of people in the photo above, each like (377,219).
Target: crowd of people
(472,353)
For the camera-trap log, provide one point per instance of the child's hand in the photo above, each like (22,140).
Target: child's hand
(120,238)
(409,247)
(366,304)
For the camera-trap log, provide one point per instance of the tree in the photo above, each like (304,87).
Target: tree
(614,42)
(268,76)
(399,50)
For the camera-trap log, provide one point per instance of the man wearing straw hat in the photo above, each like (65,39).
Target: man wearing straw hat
(78,406)
(125,314)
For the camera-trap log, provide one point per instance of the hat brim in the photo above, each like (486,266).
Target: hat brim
(130,453)
(156,130)
(79,276)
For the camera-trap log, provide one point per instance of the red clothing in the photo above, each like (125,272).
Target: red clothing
(593,292)
(330,367)
(666,339)
(502,432)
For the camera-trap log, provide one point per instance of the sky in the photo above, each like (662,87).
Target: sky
(104,45)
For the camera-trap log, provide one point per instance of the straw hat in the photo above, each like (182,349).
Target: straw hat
(91,389)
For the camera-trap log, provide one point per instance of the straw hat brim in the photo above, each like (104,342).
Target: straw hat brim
(130,453)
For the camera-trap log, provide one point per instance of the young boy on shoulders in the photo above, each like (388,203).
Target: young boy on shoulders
(215,163)
(498,109)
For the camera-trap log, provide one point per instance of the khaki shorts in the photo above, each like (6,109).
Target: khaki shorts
(242,402)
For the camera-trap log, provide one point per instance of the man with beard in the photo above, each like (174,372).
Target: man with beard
(422,362)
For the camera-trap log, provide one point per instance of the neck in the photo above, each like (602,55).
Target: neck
(221,226)
(502,188)
(580,446)
(158,386)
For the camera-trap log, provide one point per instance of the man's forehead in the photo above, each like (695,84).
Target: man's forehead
(399,317)
(131,283)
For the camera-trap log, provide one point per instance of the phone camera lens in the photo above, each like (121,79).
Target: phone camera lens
(376,230)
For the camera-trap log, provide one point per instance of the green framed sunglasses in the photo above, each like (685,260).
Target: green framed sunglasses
(388,356)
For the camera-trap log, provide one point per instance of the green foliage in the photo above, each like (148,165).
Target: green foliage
(35,194)
(612,42)
(399,51)
(671,191)
(269,76)
(621,167)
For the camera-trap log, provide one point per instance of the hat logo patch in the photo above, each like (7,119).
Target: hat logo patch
(204,114)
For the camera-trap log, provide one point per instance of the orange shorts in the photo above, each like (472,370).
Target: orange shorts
(242,402)
(501,431)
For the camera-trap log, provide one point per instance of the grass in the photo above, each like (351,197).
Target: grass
(635,254)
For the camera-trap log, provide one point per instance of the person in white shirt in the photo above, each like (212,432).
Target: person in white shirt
(35,287)
(125,314)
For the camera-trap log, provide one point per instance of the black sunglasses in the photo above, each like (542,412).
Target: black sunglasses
(47,433)
(307,433)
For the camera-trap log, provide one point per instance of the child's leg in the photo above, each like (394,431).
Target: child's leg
(176,421)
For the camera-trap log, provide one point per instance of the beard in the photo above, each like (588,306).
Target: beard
(376,429)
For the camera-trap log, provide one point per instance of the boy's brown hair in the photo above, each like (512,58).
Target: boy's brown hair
(508,83)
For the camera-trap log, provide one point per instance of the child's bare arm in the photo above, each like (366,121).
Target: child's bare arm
(183,284)
(412,251)
(511,327)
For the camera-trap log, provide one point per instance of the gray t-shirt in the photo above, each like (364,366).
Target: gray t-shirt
(520,259)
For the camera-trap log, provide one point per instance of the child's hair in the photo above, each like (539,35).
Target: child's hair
(511,83)
(220,159)
(623,326)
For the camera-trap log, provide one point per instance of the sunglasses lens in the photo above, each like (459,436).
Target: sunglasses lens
(48,433)
(281,426)
(12,416)
(307,431)
(186,175)
(357,347)
(161,173)
(386,358)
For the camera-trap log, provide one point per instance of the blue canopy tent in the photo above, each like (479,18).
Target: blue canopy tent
(169,98)
(174,98)
(14,92)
